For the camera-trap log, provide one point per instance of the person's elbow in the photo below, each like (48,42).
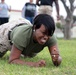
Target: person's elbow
(12,60)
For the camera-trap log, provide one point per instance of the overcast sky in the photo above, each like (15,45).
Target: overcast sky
(18,4)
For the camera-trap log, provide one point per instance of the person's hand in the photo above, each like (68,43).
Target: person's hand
(58,17)
(57,61)
(38,4)
(40,63)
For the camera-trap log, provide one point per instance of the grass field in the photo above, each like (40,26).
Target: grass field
(67,67)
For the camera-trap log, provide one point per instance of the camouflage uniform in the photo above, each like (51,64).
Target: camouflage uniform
(4,29)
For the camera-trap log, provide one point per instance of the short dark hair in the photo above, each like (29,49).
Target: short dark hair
(47,21)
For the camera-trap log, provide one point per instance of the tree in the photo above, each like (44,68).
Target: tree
(69,18)
(74,18)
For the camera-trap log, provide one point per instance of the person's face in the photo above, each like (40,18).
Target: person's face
(41,35)
(2,0)
(31,1)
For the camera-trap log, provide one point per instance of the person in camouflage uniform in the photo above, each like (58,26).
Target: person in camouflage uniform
(21,37)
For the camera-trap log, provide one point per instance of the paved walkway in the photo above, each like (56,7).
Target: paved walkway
(14,15)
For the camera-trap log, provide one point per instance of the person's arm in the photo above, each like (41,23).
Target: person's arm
(23,11)
(57,9)
(56,58)
(15,59)
(9,8)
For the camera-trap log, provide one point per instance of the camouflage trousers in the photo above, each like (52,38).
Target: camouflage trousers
(4,30)
(45,9)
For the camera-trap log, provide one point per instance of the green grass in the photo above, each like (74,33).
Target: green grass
(67,67)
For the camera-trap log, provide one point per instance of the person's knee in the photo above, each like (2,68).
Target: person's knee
(2,54)
(3,50)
